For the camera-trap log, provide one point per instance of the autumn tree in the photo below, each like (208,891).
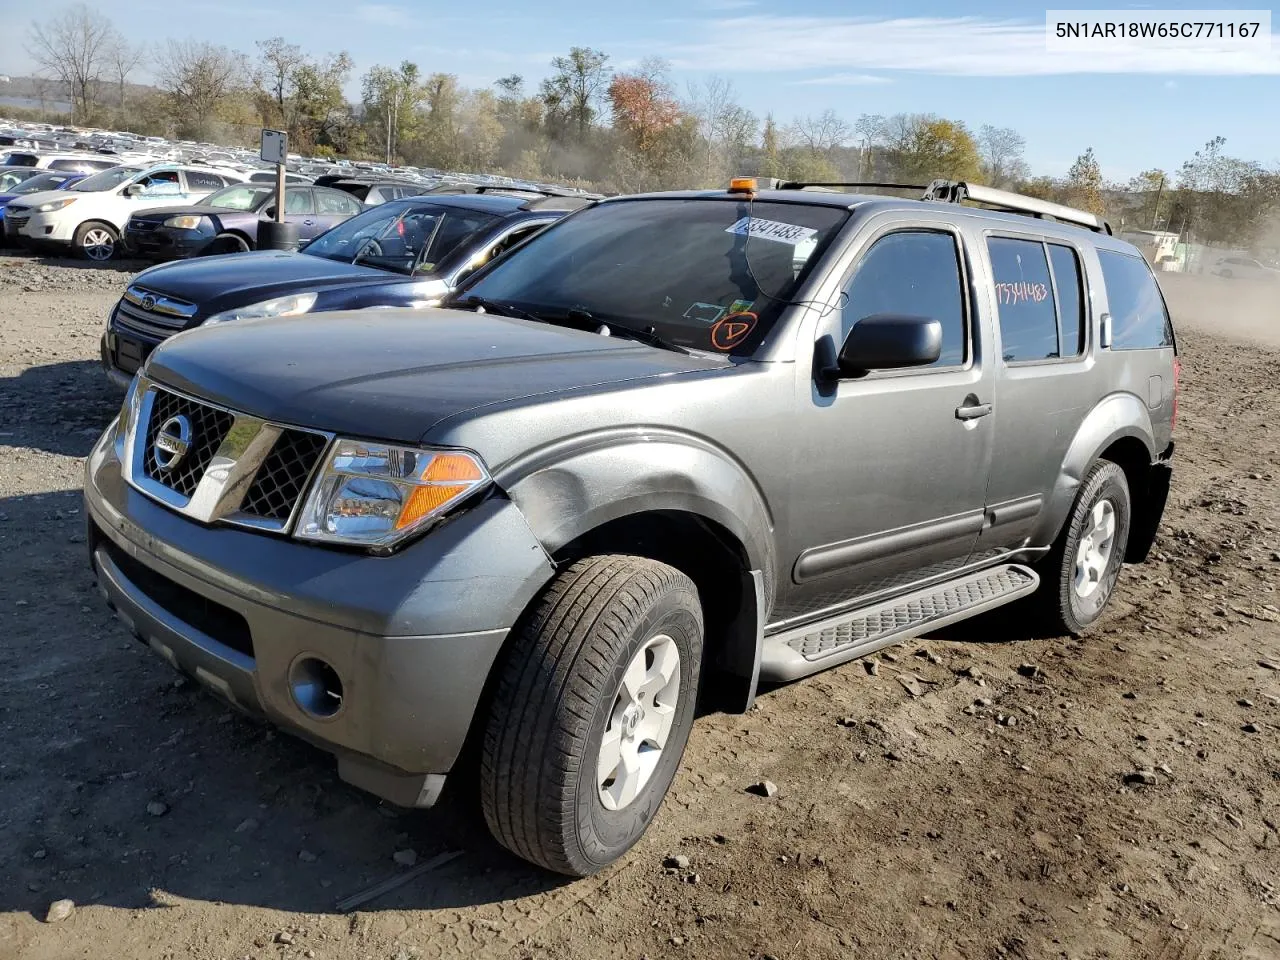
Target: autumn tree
(1223,199)
(75,48)
(1083,185)
(302,94)
(922,147)
(643,106)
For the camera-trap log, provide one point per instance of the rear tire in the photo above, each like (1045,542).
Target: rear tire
(97,242)
(591,713)
(1080,572)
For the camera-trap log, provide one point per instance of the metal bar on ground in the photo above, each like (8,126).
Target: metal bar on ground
(347,904)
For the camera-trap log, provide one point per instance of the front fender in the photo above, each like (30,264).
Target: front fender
(569,488)
(1116,417)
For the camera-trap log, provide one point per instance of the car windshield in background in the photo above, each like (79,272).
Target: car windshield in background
(242,196)
(682,269)
(10,179)
(409,238)
(46,181)
(106,179)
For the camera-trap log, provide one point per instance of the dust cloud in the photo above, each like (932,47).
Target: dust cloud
(1246,310)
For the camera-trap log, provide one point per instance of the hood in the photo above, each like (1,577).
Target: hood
(393,374)
(44,196)
(194,210)
(219,283)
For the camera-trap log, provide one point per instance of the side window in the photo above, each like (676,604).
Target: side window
(1067,281)
(298,201)
(349,204)
(329,204)
(516,236)
(1024,295)
(1139,320)
(200,182)
(916,273)
(163,183)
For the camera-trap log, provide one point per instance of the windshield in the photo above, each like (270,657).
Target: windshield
(410,238)
(682,269)
(9,179)
(106,179)
(242,196)
(46,181)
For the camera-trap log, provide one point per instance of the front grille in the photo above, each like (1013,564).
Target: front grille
(212,619)
(133,321)
(209,427)
(17,222)
(283,476)
(142,225)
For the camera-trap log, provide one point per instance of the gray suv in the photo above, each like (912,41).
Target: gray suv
(671,448)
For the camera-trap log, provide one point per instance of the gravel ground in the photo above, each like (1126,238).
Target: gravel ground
(997,814)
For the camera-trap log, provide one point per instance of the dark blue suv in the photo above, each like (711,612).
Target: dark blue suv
(403,253)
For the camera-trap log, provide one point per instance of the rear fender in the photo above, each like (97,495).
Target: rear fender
(1116,417)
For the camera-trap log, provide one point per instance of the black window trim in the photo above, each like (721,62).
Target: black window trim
(1086,300)
(966,294)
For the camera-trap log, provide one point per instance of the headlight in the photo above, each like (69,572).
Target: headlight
(183,223)
(376,494)
(55,205)
(288,306)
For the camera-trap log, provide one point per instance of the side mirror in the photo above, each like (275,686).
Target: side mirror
(134,190)
(888,341)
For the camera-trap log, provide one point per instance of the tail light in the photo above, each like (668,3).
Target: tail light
(1177,374)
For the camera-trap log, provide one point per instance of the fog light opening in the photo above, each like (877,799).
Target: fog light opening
(316,687)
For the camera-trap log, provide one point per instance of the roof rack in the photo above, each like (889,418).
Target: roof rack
(533,192)
(556,202)
(806,185)
(957,191)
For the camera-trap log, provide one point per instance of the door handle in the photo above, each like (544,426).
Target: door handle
(971,409)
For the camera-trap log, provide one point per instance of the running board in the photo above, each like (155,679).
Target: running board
(817,646)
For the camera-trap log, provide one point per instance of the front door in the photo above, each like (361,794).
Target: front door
(891,473)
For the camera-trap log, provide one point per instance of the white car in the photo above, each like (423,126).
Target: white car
(1245,268)
(90,216)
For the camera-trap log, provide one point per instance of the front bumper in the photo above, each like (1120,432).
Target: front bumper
(53,227)
(412,637)
(165,243)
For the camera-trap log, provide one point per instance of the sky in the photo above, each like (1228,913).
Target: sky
(982,63)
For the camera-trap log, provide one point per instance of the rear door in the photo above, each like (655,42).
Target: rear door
(332,207)
(200,184)
(1048,381)
(300,210)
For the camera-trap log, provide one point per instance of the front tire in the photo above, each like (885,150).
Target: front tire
(97,242)
(1080,572)
(227,243)
(591,714)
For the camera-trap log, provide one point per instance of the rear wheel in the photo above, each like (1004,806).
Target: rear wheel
(1080,572)
(592,712)
(97,241)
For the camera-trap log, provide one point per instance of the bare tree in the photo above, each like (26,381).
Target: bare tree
(821,133)
(123,58)
(726,128)
(195,75)
(75,47)
(278,61)
(1000,149)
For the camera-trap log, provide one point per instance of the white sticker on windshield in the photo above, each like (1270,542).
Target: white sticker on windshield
(772,230)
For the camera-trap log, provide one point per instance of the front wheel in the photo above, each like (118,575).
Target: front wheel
(227,243)
(1080,572)
(592,711)
(97,242)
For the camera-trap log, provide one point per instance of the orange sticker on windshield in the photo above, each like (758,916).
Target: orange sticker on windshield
(731,330)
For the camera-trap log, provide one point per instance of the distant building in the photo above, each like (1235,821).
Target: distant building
(4,78)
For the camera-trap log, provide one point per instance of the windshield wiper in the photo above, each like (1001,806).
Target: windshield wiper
(649,336)
(501,309)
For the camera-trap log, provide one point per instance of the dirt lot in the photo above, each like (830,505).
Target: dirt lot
(989,817)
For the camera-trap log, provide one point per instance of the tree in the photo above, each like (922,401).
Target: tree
(196,76)
(573,92)
(440,138)
(1000,150)
(76,48)
(922,147)
(320,113)
(273,79)
(725,128)
(1150,189)
(389,100)
(820,134)
(1083,186)
(1222,199)
(123,58)
(770,145)
(643,105)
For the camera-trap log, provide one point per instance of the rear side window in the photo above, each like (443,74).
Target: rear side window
(914,273)
(298,201)
(1139,320)
(198,181)
(1039,298)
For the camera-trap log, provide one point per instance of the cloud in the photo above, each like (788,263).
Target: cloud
(382,14)
(955,46)
(844,80)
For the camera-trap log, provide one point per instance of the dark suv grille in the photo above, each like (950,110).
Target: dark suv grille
(283,476)
(209,427)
